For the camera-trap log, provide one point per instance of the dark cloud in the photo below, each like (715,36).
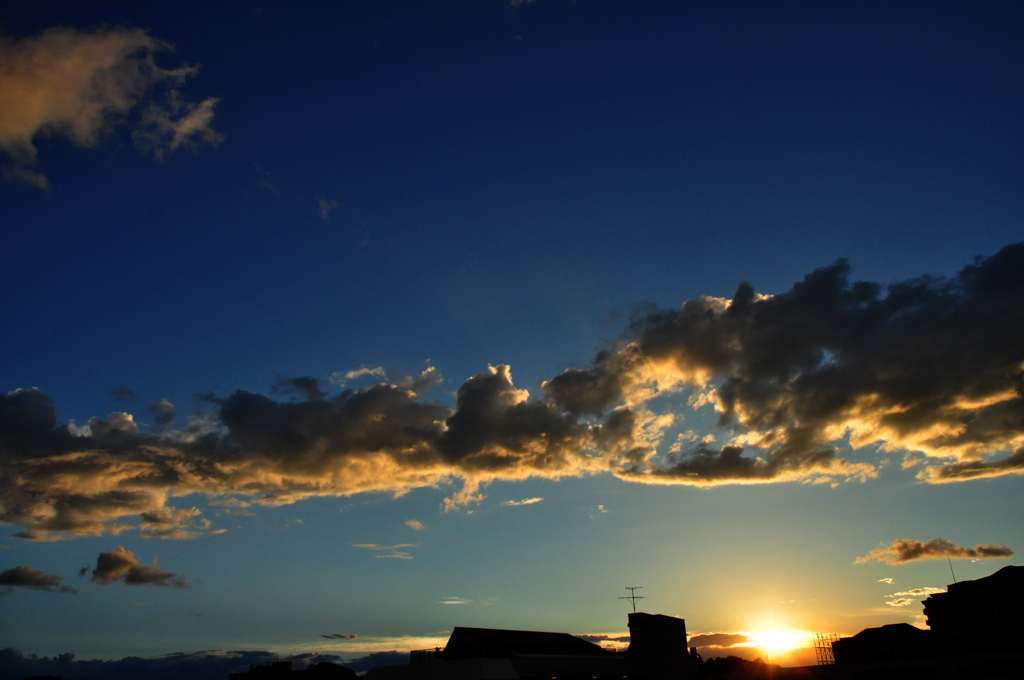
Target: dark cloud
(603,638)
(169,522)
(930,365)
(304,386)
(163,411)
(27,577)
(908,550)
(120,565)
(340,636)
(206,665)
(718,640)
(123,394)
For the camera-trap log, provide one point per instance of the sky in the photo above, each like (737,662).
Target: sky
(328,327)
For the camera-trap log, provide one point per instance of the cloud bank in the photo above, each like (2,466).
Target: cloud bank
(903,550)
(33,579)
(931,366)
(80,85)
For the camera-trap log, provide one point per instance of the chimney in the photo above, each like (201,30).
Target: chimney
(658,642)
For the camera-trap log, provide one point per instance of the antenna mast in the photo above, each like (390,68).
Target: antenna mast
(633,597)
(951,567)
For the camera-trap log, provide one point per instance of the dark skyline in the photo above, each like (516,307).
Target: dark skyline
(327,327)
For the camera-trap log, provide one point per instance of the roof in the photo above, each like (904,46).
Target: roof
(522,642)
(889,630)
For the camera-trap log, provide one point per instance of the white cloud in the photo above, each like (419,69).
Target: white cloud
(414,524)
(455,600)
(525,501)
(340,378)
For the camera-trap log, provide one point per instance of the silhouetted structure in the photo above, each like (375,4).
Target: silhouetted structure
(657,650)
(986,612)
(324,670)
(885,643)
(975,633)
(823,648)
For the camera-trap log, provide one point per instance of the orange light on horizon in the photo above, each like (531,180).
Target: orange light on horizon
(774,641)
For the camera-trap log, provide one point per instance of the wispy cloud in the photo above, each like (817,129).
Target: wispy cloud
(80,85)
(887,580)
(525,501)
(324,208)
(388,551)
(904,598)
(904,550)
(340,636)
(455,600)
(414,524)
(341,378)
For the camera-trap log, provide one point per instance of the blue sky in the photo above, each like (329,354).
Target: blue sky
(203,204)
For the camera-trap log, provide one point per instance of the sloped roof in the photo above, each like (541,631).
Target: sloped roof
(889,630)
(523,642)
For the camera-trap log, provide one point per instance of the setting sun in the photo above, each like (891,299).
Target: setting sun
(778,640)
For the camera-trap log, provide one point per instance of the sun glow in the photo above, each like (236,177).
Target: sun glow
(777,640)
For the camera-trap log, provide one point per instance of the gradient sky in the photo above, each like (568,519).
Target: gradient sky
(431,192)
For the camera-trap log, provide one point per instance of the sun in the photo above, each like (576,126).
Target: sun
(777,640)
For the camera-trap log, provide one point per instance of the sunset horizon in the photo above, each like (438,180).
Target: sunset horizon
(332,328)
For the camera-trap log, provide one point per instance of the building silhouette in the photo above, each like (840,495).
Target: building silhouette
(975,632)
(657,651)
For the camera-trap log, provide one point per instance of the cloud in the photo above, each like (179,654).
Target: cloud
(932,366)
(596,638)
(388,551)
(718,640)
(903,550)
(170,522)
(176,124)
(324,208)
(902,599)
(80,85)
(455,600)
(414,524)
(163,411)
(305,386)
(525,501)
(120,565)
(341,378)
(27,577)
(887,580)
(340,636)
(918,592)
(122,394)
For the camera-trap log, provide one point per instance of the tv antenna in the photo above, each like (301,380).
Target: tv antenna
(633,597)
(951,568)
